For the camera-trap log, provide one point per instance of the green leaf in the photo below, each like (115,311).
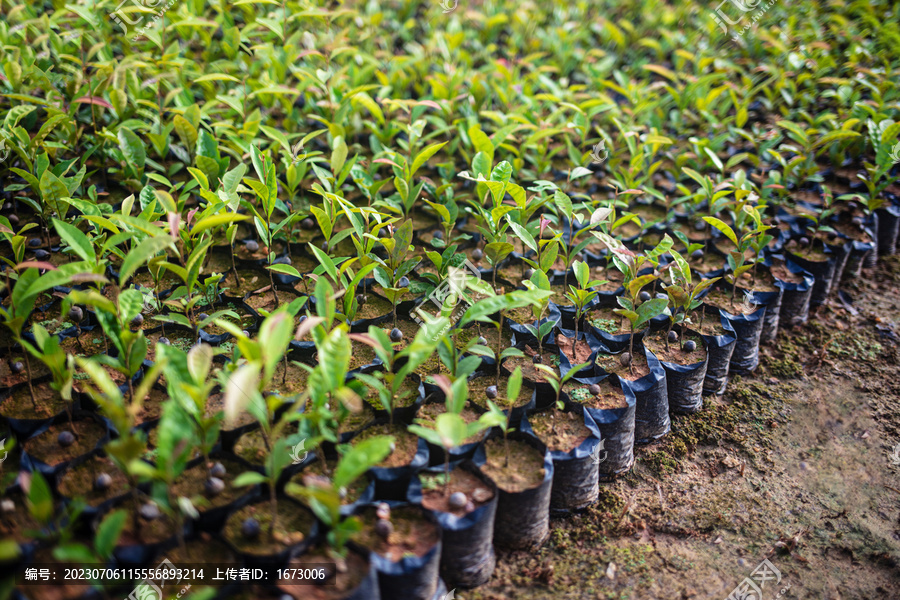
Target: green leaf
(186,131)
(40,500)
(216,221)
(76,239)
(564,203)
(481,165)
(142,253)
(132,149)
(108,532)
(514,385)
(649,309)
(360,457)
(482,143)
(424,155)
(285,269)
(723,227)
(248,478)
(52,188)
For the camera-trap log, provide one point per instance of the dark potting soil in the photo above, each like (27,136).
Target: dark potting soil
(527,364)
(782,273)
(216,403)
(151,532)
(610,396)
(608,321)
(265,301)
(350,572)
(638,368)
(722,299)
(251,446)
(360,354)
(409,329)
(710,320)
(582,350)
(488,331)
(761,281)
(46,448)
(405,444)
(434,496)
(478,386)
(413,535)
(524,471)
(288,380)
(675,353)
(355,421)
(813,252)
(9,378)
(293,525)
(17,524)
(374,307)
(560,431)
(19,406)
(192,482)
(79,481)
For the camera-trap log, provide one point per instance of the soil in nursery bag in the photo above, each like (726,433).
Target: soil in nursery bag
(17,403)
(888,224)
(405,444)
(685,370)
(613,411)
(572,444)
(612,363)
(80,482)
(747,320)
(178,336)
(138,543)
(408,557)
(46,448)
(376,307)
(294,527)
(478,396)
(488,332)
(648,383)
(529,371)
(193,484)
(524,478)
(583,351)
(289,380)
(393,474)
(17,524)
(720,342)
(252,447)
(8,374)
(467,555)
(768,291)
(798,286)
(822,266)
(351,577)
(265,301)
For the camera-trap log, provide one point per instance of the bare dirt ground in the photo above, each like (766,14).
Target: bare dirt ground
(793,465)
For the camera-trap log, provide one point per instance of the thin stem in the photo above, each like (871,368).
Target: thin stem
(28,374)
(446,472)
